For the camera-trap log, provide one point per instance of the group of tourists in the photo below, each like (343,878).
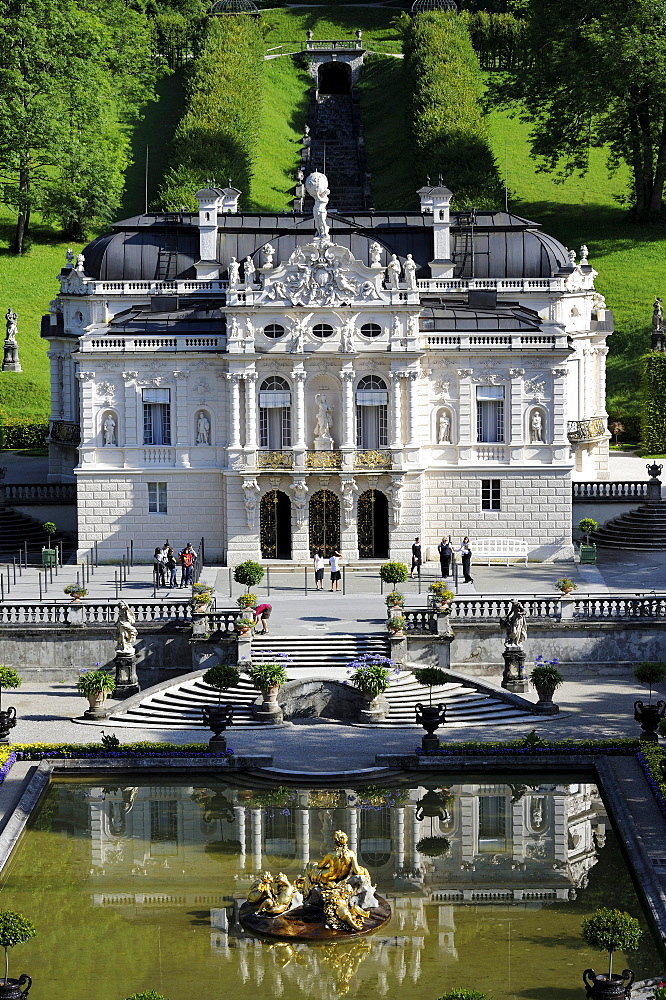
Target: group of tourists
(320,565)
(446,558)
(166,563)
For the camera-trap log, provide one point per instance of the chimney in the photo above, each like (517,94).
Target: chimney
(436,201)
(207,266)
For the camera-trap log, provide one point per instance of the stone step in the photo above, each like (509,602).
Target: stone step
(642,529)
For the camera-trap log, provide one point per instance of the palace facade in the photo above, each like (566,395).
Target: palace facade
(278,383)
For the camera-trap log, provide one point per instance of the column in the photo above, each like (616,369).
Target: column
(55,358)
(516,416)
(399,838)
(250,410)
(396,410)
(298,375)
(239,812)
(559,406)
(181,436)
(348,436)
(130,437)
(255,833)
(303,835)
(412,410)
(353,815)
(234,431)
(466,435)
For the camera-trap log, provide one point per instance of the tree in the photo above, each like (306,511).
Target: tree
(14,929)
(596,77)
(611,930)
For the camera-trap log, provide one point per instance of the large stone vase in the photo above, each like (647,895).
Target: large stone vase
(11,989)
(7,723)
(608,988)
(649,716)
(269,711)
(431,717)
(545,704)
(217,718)
(96,706)
(375,709)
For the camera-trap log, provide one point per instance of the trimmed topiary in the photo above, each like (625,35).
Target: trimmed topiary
(611,930)
(650,672)
(221,677)
(249,573)
(394,572)
(14,929)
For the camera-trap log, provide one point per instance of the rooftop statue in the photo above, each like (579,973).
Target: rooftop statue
(316,185)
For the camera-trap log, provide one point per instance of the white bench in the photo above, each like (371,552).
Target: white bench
(498,548)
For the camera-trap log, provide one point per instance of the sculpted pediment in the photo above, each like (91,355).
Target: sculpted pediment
(323,274)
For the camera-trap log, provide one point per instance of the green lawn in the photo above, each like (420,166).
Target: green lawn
(282,26)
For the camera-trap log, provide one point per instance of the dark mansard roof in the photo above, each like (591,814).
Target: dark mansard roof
(149,247)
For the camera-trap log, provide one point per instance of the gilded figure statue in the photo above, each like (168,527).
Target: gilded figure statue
(262,889)
(283,896)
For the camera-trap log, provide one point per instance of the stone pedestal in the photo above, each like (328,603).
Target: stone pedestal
(268,710)
(374,710)
(654,489)
(127,682)
(323,443)
(10,360)
(513,678)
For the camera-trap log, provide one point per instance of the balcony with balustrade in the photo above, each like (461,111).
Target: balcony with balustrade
(586,431)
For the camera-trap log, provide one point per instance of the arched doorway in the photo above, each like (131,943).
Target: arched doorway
(275,525)
(334,78)
(324,522)
(372,525)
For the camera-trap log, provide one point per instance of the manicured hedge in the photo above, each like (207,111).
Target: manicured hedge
(534,744)
(217,135)
(653,424)
(18,432)
(448,127)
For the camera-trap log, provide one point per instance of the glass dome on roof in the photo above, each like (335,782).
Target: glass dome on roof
(235,7)
(422,6)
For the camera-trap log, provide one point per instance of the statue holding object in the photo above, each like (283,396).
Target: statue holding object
(10,359)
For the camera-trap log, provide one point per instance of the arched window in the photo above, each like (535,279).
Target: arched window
(274,414)
(274,331)
(371,330)
(322,330)
(371,413)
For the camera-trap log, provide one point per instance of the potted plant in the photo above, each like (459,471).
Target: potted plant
(49,555)
(546,678)
(430,716)
(396,625)
(268,676)
(433,847)
(95,685)
(8,679)
(395,600)
(247,600)
(221,677)
(441,596)
(202,595)
(244,626)
(565,585)
(371,675)
(588,551)
(76,591)
(610,930)
(14,929)
(650,672)
(394,572)
(249,573)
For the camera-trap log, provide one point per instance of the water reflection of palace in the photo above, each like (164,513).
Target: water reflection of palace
(429,849)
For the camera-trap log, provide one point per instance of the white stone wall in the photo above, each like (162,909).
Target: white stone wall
(113,509)
(535,507)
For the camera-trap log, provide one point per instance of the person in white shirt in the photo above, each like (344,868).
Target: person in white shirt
(466,554)
(319,570)
(334,563)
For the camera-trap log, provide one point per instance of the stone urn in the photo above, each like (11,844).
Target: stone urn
(217,718)
(375,709)
(11,988)
(7,723)
(608,987)
(269,711)
(649,716)
(97,706)
(431,717)
(545,704)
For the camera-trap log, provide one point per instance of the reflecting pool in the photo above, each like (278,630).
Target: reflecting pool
(137,886)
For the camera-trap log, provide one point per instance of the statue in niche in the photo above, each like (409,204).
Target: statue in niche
(126,632)
(393,272)
(234,272)
(324,420)
(249,271)
(203,428)
(12,327)
(444,428)
(109,430)
(536,428)
(316,185)
(410,273)
(347,339)
(515,625)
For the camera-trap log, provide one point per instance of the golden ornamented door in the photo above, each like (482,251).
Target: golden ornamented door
(324,522)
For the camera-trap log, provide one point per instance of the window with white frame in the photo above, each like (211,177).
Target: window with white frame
(274,414)
(156,416)
(491,494)
(157,498)
(490,413)
(371,413)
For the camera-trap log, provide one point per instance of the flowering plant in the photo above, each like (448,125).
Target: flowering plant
(247,600)
(94,682)
(396,623)
(271,672)
(75,590)
(659,992)
(545,676)
(371,673)
(441,591)
(565,585)
(243,624)
(395,599)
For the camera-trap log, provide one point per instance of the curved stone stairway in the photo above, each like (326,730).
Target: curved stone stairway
(643,529)
(178,705)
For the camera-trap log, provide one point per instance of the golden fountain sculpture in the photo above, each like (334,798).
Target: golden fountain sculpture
(335,898)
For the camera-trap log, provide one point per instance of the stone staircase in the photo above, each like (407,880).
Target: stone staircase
(178,705)
(16,529)
(643,529)
(336,150)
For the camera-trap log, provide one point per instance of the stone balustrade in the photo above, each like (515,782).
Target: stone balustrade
(609,492)
(27,493)
(584,607)
(90,612)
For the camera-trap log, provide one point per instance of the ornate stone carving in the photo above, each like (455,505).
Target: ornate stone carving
(465,372)
(375,255)
(560,372)
(444,428)
(441,387)
(321,278)
(348,488)
(126,632)
(300,492)
(299,331)
(410,273)
(268,253)
(393,272)
(85,376)
(233,272)
(536,428)
(348,335)
(394,493)
(203,428)
(105,389)
(182,376)
(233,330)
(535,387)
(109,430)
(251,493)
(129,376)
(516,372)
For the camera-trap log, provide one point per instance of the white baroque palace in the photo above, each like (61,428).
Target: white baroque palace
(280,383)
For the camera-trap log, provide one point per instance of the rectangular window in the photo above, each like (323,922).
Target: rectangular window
(492,823)
(275,427)
(157,498)
(157,416)
(371,424)
(490,413)
(490,494)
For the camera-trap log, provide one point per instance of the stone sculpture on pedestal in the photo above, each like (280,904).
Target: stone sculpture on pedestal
(127,682)
(10,360)
(515,625)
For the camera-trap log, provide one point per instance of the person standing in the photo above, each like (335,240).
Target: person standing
(466,555)
(445,554)
(334,563)
(319,570)
(157,567)
(171,567)
(262,613)
(416,558)
(187,558)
